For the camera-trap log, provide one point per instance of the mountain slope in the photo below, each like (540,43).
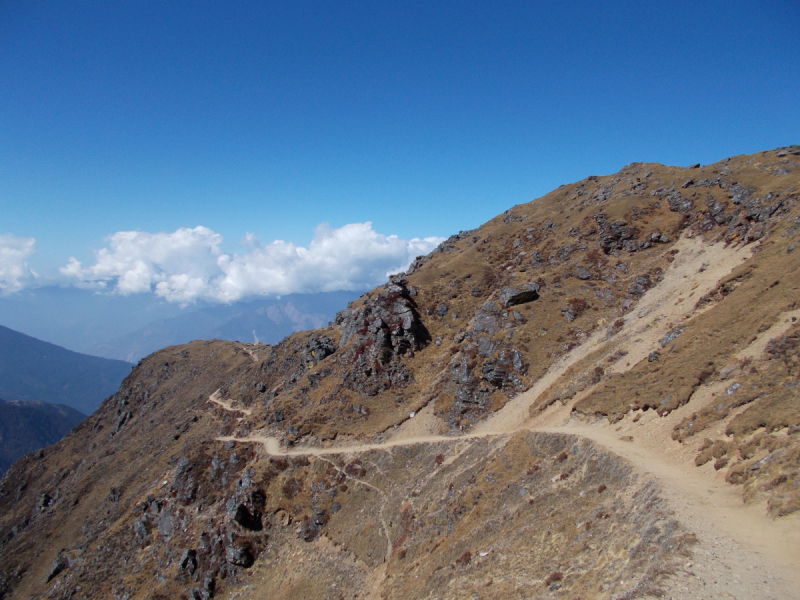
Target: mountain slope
(458,432)
(33,370)
(28,426)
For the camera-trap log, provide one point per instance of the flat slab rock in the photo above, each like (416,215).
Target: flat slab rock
(522,295)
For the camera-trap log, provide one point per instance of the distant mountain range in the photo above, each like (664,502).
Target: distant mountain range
(33,370)
(28,426)
(131,327)
(266,320)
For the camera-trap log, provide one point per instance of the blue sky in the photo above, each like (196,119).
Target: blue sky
(423,118)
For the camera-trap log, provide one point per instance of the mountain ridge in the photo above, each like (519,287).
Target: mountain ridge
(34,370)
(257,320)
(28,426)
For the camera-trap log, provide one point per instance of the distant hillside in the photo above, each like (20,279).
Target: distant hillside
(266,320)
(79,319)
(131,327)
(33,370)
(28,426)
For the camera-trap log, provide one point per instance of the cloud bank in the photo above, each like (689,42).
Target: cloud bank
(189,264)
(14,271)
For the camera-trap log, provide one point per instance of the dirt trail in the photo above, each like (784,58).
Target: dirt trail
(273,447)
(215,399)
(741,553)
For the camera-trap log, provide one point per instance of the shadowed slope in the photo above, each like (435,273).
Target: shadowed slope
(31,369)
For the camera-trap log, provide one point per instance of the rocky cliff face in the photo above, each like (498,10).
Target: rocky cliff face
(391,454)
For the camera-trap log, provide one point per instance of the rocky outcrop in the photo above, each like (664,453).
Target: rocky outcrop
(376,335)
(389,320)
(522,295)
(317,348)
(615,235)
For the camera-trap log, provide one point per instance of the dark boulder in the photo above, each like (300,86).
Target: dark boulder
(188,561)
(640,284)
(166,523)
(240,556)
(247,519)
(486,319)
(659,238)
(317,348)
(60,563)
(183,482)
(140,528)
(613,236)
(494,374)
(514,296)
(485,346)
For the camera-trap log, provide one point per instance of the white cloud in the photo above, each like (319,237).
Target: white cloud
(188,264)
(14,271)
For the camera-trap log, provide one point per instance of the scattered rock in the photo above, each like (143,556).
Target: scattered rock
(640,284)
(613,236)
(59,564)
(522,295)
(188,561)
(671,335)
(679,203)
(240,556)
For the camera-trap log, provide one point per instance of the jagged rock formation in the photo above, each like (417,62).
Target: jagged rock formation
(330,465)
